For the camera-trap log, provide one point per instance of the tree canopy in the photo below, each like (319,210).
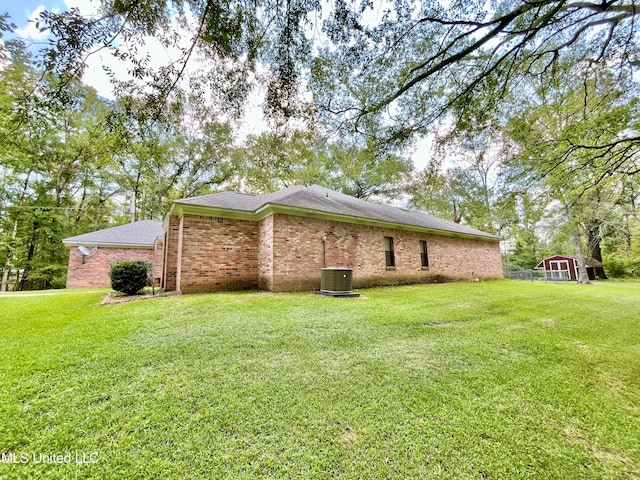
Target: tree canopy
(461,52)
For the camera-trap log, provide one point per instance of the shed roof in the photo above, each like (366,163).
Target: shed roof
(321,199)
(588,261)
(139,234)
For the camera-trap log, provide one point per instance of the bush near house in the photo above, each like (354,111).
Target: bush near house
(129,276)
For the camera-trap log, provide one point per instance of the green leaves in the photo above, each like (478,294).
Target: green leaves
(271,161)
(579,134)
(129,276)
(578,142)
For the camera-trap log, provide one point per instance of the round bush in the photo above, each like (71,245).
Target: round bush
(129,276)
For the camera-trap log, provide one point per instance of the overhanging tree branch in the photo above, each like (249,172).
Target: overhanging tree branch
(530,20)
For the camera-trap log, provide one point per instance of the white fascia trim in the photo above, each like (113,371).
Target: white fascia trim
(179,210)
(109,245)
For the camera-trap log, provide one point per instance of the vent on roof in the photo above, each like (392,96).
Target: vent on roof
(337,282)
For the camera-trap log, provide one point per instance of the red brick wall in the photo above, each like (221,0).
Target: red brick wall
(95,270)
(298,254)
(465,258)
(179,253)
(286,252)
(217,254)
(265,253)
(171,254)
(158,258)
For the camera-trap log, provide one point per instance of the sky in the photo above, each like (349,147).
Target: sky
(22,11)
(24,14)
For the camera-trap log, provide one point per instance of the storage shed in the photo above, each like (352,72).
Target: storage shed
(560,267)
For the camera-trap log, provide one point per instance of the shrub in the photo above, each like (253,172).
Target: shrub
(129,276)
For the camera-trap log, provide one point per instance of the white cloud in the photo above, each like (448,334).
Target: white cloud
(30,31)
(94,74)
(87,8)
(158,55)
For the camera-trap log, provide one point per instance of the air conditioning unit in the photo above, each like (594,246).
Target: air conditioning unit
(337,282)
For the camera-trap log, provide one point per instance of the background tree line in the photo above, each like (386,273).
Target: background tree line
(87,163)
(532,109)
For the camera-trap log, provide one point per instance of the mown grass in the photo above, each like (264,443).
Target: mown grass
(478,380)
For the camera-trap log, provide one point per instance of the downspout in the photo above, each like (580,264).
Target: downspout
(324,251)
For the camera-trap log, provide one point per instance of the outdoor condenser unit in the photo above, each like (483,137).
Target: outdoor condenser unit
(337,281)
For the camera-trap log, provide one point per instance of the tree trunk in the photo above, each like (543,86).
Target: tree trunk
(134,201)
(457,212)
(80,209)
(9,256)
(583,277)
(595,252)
(30,255)
(14,234)
(5,276)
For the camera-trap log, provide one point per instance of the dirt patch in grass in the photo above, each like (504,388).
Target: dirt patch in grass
(118,297)
(349,436)
(438,325)
(573,434)
(260,294)
(605,455)
(611,384)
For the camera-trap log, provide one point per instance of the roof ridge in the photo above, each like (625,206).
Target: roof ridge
(226,192)
(367,201)
(332,202)
(290,191)
(406,210)
(132,233)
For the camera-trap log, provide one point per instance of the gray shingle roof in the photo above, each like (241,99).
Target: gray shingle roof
(238,201)
(324,200)
(142,233)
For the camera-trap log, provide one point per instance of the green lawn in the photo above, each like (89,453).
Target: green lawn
(499,379)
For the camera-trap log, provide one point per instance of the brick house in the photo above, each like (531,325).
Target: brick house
(134,241)
(280,242)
